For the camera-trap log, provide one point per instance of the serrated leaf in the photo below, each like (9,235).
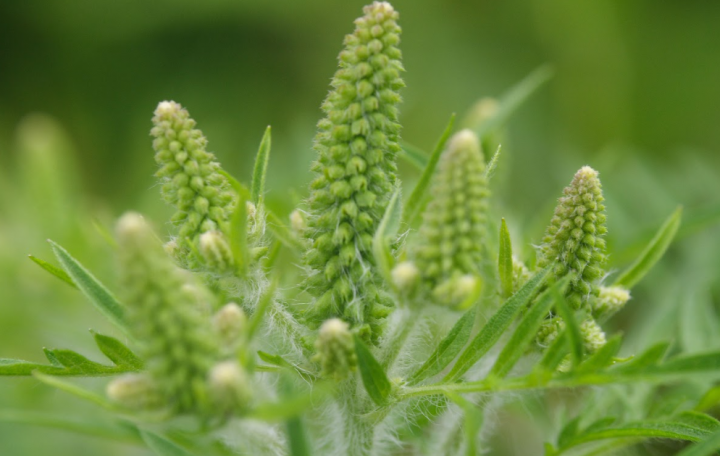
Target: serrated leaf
(447,349)
(75,390)
(652,253)
(162,446)
(515,98)
(505,261)
(386,230)
(492,165)
(603,357)
(238,236)
(63,363)
(91,287)
(54,270)
(373,376)
(282,233)
(413,155)
(526,330)
(496,326)
(257,187)
(117,352)
(413,206)
(572,327)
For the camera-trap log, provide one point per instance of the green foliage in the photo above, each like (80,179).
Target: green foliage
(364,351)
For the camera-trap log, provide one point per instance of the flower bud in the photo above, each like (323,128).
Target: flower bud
(405,277)
(216,252)
(229,385)
(592,335)
(335,349)
(610,300)
(135,391)
(229,323)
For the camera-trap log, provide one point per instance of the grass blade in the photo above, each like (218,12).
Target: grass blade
(373,376)
(387,228)
(448,348)
(603,357)
(54,270)
(505,262)
(526,330)
(496,326)
(413,206)
(652,253)
(91,287)
(257,187)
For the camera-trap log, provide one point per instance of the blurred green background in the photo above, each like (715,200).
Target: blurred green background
(635,95)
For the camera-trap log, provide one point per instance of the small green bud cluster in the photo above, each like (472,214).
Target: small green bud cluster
(191,181)
(575,237)
(450,245)
(592,335)
(609,301)
(356,144)
(521,274)
(165,313)
(335,349)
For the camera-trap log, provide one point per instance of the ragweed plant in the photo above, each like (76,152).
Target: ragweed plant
(410,324)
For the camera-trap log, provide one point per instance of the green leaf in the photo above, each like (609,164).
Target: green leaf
(387,229)
(572,327)
(104,233)
(241,190)
(91,287)
(91,427)
(238,235)
(652,253)
(279,361)
(496,326)
(603,357)
(707,447)
(62,363)
(414,155)
(257,188)
(413,205)
(554,354)
(515,98)
(162,446)
(650,357)
(75,390)
(493,163)
(448,348)
(117,352)
(297,439)
(505,261)
(526,330)
(54,270)
(376,382)
(282,233)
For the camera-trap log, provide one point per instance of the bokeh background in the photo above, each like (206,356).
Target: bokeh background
(635,94)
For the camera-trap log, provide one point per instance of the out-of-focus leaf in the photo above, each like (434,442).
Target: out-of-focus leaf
(91,427)
(54,270)
(282,233)
(162,446)
(571,326)
(603,357)
(386,230)
(414,155)
(492,165)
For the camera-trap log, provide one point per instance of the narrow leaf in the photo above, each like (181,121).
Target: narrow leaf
(492,166)
(573,329)
(413,205)
(554,354)
(515,98)
(603,357)
(162,446)
(414,155)
(650,357)
(448,348)
(387,229)
(54,270)
(117,352)
(496,326)
(98,294)
(75,390)
(104,233)
(376,382)
(526,330)
(238,235)
(241,190)
(707,447)
(505,261)
(297,439)
(282,233)
(652,253)
(257,188)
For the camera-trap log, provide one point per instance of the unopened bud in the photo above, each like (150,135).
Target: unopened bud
(216,251)
(135,391)
(229,385)
(405,277)
(610,300)
(229,323)
(298,222)
(336,349)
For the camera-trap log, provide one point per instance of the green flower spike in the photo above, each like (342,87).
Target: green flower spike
(191,181)
(574,237)
(356,144)
(451,237)
(609,301)
(165,313)
(335,349)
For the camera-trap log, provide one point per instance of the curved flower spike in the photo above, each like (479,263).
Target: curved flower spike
(190,177)
(164,311)
(575,237)
(356,172)
(453,230)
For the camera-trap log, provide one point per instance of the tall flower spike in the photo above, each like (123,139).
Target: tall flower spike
(453,230)
(357,143)
(164,313)
(191,181)
(575,237)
